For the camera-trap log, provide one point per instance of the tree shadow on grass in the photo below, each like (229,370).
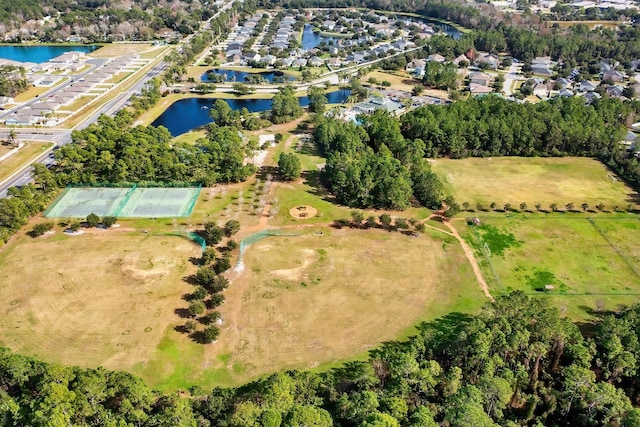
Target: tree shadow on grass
(183,313)
(313,179)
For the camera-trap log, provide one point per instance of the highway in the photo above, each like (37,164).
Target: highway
(63,136)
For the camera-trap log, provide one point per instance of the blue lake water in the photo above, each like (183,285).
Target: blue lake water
(311,39)
(39,54)
(191,113)
(240,76)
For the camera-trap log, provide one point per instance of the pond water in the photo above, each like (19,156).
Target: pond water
(39,54)
(311,39)
(242,76)
(191,113)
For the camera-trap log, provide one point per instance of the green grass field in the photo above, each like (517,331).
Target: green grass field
(588,261)
(533,180)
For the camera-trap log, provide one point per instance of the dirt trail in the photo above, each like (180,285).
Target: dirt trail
(468,252)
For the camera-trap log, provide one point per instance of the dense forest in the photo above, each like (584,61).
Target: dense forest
(373,165)
(518,362)
(102,153)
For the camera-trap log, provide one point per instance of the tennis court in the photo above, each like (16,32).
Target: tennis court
(130,202)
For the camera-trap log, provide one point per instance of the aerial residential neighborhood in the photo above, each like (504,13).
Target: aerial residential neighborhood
(312,213)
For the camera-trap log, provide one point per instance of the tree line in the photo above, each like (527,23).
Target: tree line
(102,153)
(517,362)
(492,126)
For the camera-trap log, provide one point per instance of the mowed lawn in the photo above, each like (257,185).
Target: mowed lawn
(313,300)
(533,180)
(567,251)
(104,298)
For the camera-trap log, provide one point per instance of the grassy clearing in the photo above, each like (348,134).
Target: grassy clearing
(104,298)
(564,250)
(113,50)
(190,137)
(399,81)
(79,104)
(533,180)
(23,157)
(31,93)
(307,301)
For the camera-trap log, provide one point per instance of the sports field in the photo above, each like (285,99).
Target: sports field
(588,261)
(102,298)
(124,202)
(533,180)
(313,300)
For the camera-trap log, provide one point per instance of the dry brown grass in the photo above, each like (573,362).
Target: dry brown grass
(520,179)
(305,301)
(399,81)
(95,299)
(114,50)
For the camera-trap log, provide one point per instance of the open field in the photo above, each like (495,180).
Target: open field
(309,301)
(104,298)
(586,260)
(398,81)
(113,50)
(533,180)
(25,156)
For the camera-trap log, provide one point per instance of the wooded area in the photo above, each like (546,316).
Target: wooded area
(517,362)
(12,80)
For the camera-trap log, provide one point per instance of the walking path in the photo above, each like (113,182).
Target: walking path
(468,252)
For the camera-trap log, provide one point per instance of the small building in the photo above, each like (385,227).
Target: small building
(378,103)
(435,57)
(481,79)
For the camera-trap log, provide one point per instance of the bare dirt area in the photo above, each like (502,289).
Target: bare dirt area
(94,299)
(303,212)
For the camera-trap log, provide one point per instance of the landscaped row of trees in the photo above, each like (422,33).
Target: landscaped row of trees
(518,362)
(210,282)
(374,165)
(103,153)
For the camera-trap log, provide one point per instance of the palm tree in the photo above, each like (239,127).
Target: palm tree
(584,206)
(569,206)
(600,207)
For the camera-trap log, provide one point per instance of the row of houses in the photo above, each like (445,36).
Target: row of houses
(93,85)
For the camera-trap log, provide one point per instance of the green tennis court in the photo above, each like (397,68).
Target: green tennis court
(131,202)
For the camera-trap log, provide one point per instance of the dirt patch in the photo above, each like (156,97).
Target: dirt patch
(303,212)
(298,272)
